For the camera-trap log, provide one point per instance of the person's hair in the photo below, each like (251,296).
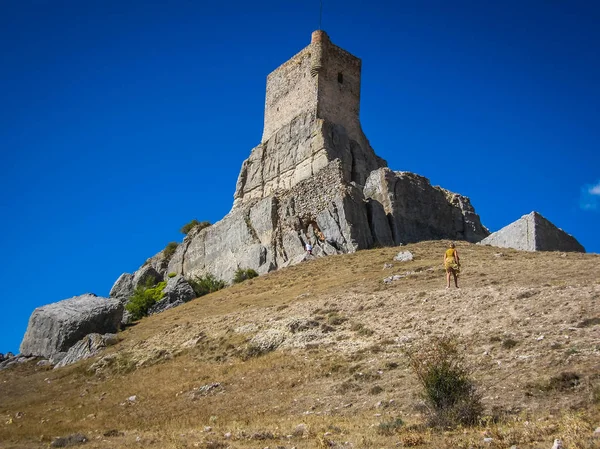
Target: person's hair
(452,245)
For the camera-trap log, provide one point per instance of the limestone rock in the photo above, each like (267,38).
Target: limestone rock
(178,289)
(176,292)
(87,347)
(123,287)
(403,256)
(146,275)
(56,327)
(419,211)
(532,232)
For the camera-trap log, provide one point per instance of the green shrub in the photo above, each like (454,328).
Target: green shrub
(172,274)
(192,224)
(203,285)
(143,298)
(448,391)
(170,249)
(242,274)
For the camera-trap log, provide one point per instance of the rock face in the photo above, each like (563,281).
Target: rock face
(56,327)
(532,232)
(87,347)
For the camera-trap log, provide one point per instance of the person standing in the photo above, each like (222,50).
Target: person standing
(451,264)
(309,248)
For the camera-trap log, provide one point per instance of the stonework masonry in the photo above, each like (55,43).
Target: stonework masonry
(323,80)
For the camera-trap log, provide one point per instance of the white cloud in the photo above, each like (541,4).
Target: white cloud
(590,197)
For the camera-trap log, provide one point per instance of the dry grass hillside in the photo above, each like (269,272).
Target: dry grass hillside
(314,356)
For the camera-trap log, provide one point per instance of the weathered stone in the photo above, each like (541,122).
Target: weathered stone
(146,275)
(56,327)
(87,347)
(178,289)
(176,292)
(71,440)
(403,256)
(163,305)
(123,287)
(418,211)
(532,232)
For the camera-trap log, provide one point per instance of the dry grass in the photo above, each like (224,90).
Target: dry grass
(329,368)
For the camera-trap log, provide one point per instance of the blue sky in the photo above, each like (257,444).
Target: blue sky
(123,120)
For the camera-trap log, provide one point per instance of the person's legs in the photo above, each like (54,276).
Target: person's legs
(455,278)
(448,278)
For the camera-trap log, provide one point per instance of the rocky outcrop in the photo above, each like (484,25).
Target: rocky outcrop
(122,288)
(56,327)
(418,211)
(177,291)
(87,347)
(532,232)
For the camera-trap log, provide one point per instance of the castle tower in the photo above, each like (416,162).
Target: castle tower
(311,120)
(322,79)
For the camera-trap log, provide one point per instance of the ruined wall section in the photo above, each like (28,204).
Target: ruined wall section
(291,91)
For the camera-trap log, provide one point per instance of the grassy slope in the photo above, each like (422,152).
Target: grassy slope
(339,377)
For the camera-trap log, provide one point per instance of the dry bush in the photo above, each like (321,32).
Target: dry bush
(449,393)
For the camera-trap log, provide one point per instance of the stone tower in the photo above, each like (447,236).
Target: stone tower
(316,93)
(323,80)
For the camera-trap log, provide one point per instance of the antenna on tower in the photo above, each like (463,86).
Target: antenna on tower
(320,13)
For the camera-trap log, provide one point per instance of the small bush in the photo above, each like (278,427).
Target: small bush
(242,274)
(389,427)
(203,285)
(193,224)
(170,249)
(448,390)
(172,274)
(509,343)
(143,299)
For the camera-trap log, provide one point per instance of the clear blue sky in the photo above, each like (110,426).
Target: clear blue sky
(123,120)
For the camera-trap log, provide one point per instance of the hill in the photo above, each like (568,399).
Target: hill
(314,355)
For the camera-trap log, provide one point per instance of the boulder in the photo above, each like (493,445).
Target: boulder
(123,287)
(532,232)
(146,275)
(177,291)
(56,327)
(87,347)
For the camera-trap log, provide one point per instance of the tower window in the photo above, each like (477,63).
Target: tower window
(340,78)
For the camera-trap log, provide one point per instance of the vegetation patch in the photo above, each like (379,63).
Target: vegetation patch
(186,228)
(509,343)
(170,249)
(144,297)
(242,274)
(203,285)
(389,427)
(449,393)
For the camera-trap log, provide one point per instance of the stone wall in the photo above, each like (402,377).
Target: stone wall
(291,90)
(339,91)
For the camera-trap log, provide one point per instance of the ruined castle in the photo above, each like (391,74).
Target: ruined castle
(315,178)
